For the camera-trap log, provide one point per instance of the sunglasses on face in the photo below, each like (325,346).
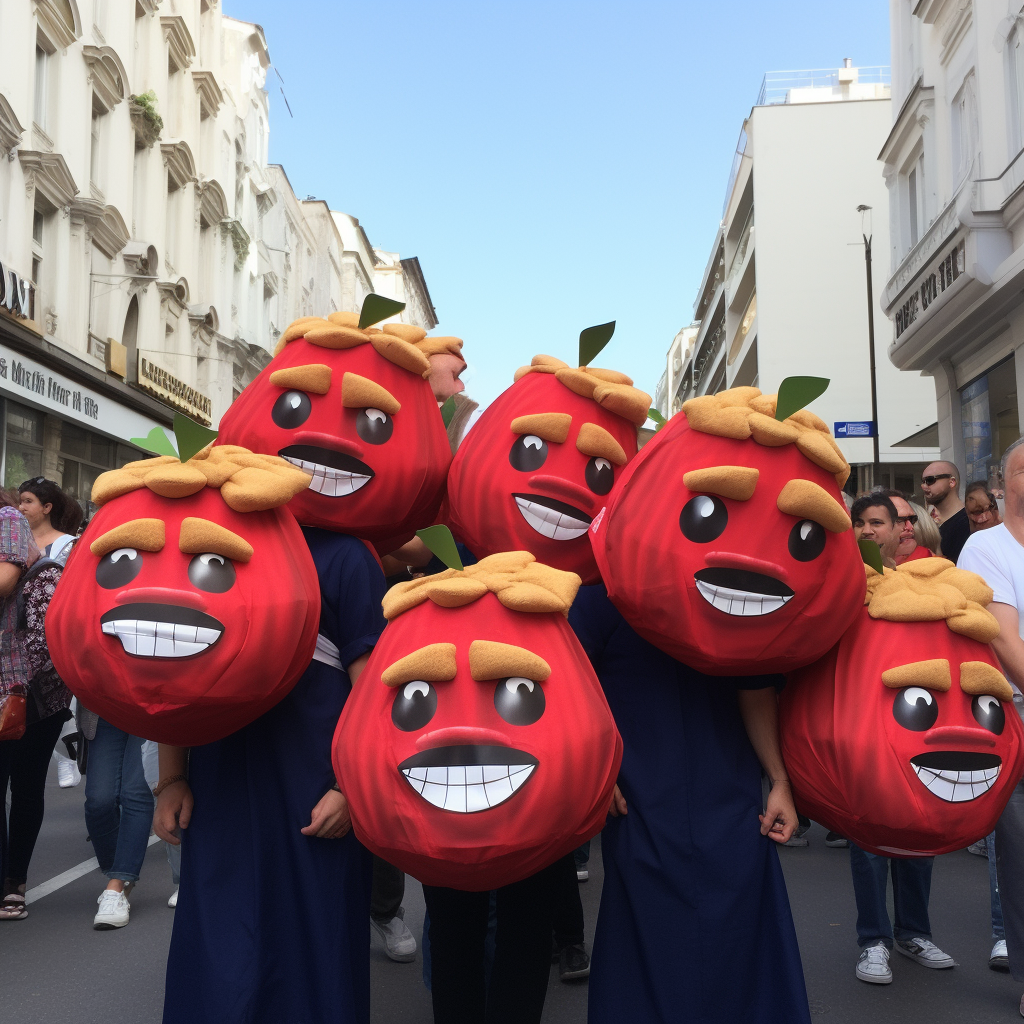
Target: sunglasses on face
(929,480)
(907,519)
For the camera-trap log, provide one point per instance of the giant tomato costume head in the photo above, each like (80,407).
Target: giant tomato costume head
(475,762)
(904,737)
(192,604)
(534,470)
(726,543)
(353,408)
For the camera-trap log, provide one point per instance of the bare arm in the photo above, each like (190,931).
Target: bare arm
(173,809)
(413,552)
(760,712)
(1008,645)
(10,573)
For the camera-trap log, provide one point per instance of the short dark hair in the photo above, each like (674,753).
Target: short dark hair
(875,498)
(890,493)
(66,513)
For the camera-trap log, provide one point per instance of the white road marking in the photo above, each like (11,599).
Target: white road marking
(37,892)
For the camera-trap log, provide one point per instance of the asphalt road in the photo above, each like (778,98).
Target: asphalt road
(57,968)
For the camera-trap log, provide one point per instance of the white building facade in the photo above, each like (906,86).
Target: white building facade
(954,169)
(784,292)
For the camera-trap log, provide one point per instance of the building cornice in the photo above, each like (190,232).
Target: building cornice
(211,96)
(239,239)
(60,20)
(918,104)
(179,40)
(105,224)
(11,130)
(107,74)
(412,271)
(180,165)
(149,7)
(213,203)
(48,173)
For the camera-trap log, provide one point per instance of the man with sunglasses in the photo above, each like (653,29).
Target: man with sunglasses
(940,483)
(906,520)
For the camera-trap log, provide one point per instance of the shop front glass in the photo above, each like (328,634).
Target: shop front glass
(988,411)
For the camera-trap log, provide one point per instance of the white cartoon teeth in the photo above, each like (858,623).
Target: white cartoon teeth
(957,787)
(468,788)
(334,483)
(147,638)
(740,602)
(551,523)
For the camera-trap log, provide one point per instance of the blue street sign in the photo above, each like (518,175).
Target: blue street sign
(859,428)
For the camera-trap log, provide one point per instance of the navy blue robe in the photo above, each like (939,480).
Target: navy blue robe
(695,925)
(272,925)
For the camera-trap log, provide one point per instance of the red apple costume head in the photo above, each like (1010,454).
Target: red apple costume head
(476,762)
(726,542)
(353,408)
(191,606)
(904,737)
(534,470)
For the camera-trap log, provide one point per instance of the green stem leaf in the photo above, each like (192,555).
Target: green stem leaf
(441,542)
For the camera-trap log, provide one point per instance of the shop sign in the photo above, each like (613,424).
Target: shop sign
(177,393)
(16,294)
(942,276)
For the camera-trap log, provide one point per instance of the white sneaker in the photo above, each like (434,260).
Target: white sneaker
(926,953)
(399,942)
(68,774)
(873,965)
(172,900)
(113,912)
(998,959)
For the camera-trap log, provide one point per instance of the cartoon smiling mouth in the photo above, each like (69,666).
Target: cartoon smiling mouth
(161,630)
(741,592)
(468,778)
(957,776)
(335,474)
(553,519)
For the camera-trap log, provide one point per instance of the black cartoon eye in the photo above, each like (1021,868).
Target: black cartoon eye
(415,704)
(118,568)
(518,700)
(374,426)
(600,475)
(988,713)
(212,573)
(529,452)
(291,410)
(806,540)
(703,519)
(915,708)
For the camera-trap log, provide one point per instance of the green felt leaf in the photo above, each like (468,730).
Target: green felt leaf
(155,441)
(192,437)
(796,393)
(448,411)
(871,553)
(593,339)
(653,414)
(377,308)
(440,540)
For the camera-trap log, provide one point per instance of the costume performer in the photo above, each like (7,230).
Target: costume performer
(272,919)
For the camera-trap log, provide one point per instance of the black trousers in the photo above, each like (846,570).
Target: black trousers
(23,765)
(522,953)
(388,891)
(568,907)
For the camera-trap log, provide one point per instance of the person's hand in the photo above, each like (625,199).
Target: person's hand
(173,812)
(779,818)
(331,819)
(617,807)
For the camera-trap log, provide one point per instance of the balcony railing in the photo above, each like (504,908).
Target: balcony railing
(777,85)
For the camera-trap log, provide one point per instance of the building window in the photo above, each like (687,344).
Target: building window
(40,226)
(989,419)
(42,74)
(964,125)
(1015,74)
(912,201)
(96,144)
(24,458)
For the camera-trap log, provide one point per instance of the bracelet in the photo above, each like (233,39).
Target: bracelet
(164,783)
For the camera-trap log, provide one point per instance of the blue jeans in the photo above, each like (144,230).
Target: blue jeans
(118,802)
(911,885)
(998,932)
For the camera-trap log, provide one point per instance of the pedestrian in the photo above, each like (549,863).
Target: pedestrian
(997,555)
(926,531)
(875,518)
(940,484)
(151,769)
(53,515)
(982,507)
(907,519)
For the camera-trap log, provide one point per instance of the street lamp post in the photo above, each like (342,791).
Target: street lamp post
(867,236)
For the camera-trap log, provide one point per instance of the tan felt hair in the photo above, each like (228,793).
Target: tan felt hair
(407,332)
(142,534)
(609,388)
(597,442)
(934,674)
(199,536)
(334,336)
(551,426)
(434,663)
(736,482)
(360,393)
(441,343)
(489,659)
(978,677)
(344,318)
(742,413)
(401,353)
(248,482)
(516,578)
(313,377)
(807,500)
(932,590)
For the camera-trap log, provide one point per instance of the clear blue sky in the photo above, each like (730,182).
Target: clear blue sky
(553,164)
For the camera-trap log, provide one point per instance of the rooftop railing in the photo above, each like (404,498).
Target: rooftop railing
(777,85)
